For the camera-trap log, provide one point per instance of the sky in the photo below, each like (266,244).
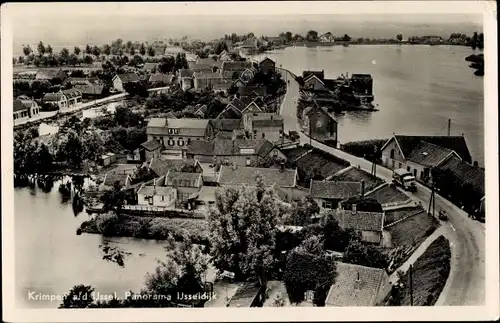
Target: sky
(67,25)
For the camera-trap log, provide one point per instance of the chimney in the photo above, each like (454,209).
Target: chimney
(354,207)
(362,187)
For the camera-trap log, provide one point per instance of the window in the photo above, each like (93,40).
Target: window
(263,135)
(180,142)
(408,168)
(176,131)
(400,165)
(169,131)
(248,161)
(393,164)
(188,141)
(171,141)
(392,153)
(163,198)
(415,172)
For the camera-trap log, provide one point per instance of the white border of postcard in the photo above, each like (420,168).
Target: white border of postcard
(488,312)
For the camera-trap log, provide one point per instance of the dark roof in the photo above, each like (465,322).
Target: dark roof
(161,166)
(456,143)
(158,77)
(50,74)
(129,77)
(234,175)
(428,154)
(149,66)
(266,59)
(239,104)
(235,65)
(112,178)
(247,90)
(221,146)
(72,93)
(349,291)
(19,106)
(466,173)
(201,147)
(89,89)
(295,152)
(361,76)
(53,97)
(200,67)
(265,148)
(151,145)
(227,124)
(277,123)
(245,295)
(207,75)
(359,220)
(229,113)
(318,74)
(183,179)
(222,86)
(186,73)
(335,189)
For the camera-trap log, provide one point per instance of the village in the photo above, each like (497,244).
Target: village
(225,138)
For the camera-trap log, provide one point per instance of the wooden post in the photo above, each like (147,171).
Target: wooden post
(449,127)
(411,285)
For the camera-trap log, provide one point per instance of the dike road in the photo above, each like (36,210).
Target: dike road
(466,283)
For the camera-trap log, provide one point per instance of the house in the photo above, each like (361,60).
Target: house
(159,79)
(82,81)
(264,125)
(110,180)
(185,79)
(357,285)
(313,83)
(25,109)
(58,99)
(320,124)
(246,76)
(327,38)
(161,167)
(225,56)
(206,80)
(120,79)
(107,159)
(267,66)
(150,67)
(234,110)
(134,157)
(241,152)
(201,110)
(419,154)
(202,66)
(151,149)
(54,76)
(222,87)
(235,66)
(285,179)
(176,134)
(26,75)
(328,194)
(362,84)
(73,96)
(155,193)
(370,224)
(173,51)
(90,92)
(252,91)
(226,126)
(188,185)
(319,74)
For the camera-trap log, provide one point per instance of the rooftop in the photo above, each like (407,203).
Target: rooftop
(161,166)
(359,220)
(335,189)
(129,77)
(182,179)
(234,175)
(151,145)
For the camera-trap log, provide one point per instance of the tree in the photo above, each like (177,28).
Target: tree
(312,35)
(96,51)
(399,37)
(88,49)
(80,296)
(303,211)
(142,50)
(346,37)
(151,51)
(40,48)
(65,55)
(365,255)
(136,88)
(166,64)
(49,50)
(308,268)
(136,60)
(131,51)
(242,230)
(73,60)
(77,50)
(114,199)
(88,59)
(39,88)
(27,50)
(106,49)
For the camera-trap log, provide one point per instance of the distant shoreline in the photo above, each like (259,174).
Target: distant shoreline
(347,44)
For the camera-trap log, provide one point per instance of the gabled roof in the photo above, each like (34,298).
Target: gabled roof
(186,73)
(158,77)
(364,221)
(335,189)
(429,155)
(227,124)
(206,75)
(202,110)
(268,123)
(245,295)
(72,93)
(111,178)
(311,77)
(161,166)
(178,179)
(149,66)
(235,175)
(149,190)
(89,89)
(247,90)
(151,145)
(128,77)
(19,106)
(235,65)
(239,104)
(456,143)
(53,97)
(267,59)
(318,74)
(466,173)
(230,112)
(200,67)
(355,285)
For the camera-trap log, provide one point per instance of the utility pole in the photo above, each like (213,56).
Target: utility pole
(310,138)
(411,285)
(449,127)
(432,202)
(374,166)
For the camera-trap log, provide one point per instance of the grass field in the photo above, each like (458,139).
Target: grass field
(413,230)
(395,215)
(430,272)
(388,194)
(355,175)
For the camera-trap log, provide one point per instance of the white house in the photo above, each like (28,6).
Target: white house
(58,99)
(156,195)
(120,79)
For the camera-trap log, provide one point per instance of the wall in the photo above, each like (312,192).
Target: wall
(118,84)
(314,84)
(414,166)
(186,83)
(384,290)
(168,200)
(386,155)
(321,203)
(271,133)
(152,154)
(371,236)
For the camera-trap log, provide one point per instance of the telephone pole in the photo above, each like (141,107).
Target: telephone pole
(449,127)
(432,200)
(374,165)
(411,285)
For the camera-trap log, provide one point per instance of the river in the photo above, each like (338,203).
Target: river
(417,89)
(51,258)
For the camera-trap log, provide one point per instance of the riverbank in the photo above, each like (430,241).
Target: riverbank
(111,225)
(370,42)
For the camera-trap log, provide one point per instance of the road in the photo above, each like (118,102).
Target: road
(466,283)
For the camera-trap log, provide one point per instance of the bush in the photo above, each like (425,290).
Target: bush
(106,223)
(368,149)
